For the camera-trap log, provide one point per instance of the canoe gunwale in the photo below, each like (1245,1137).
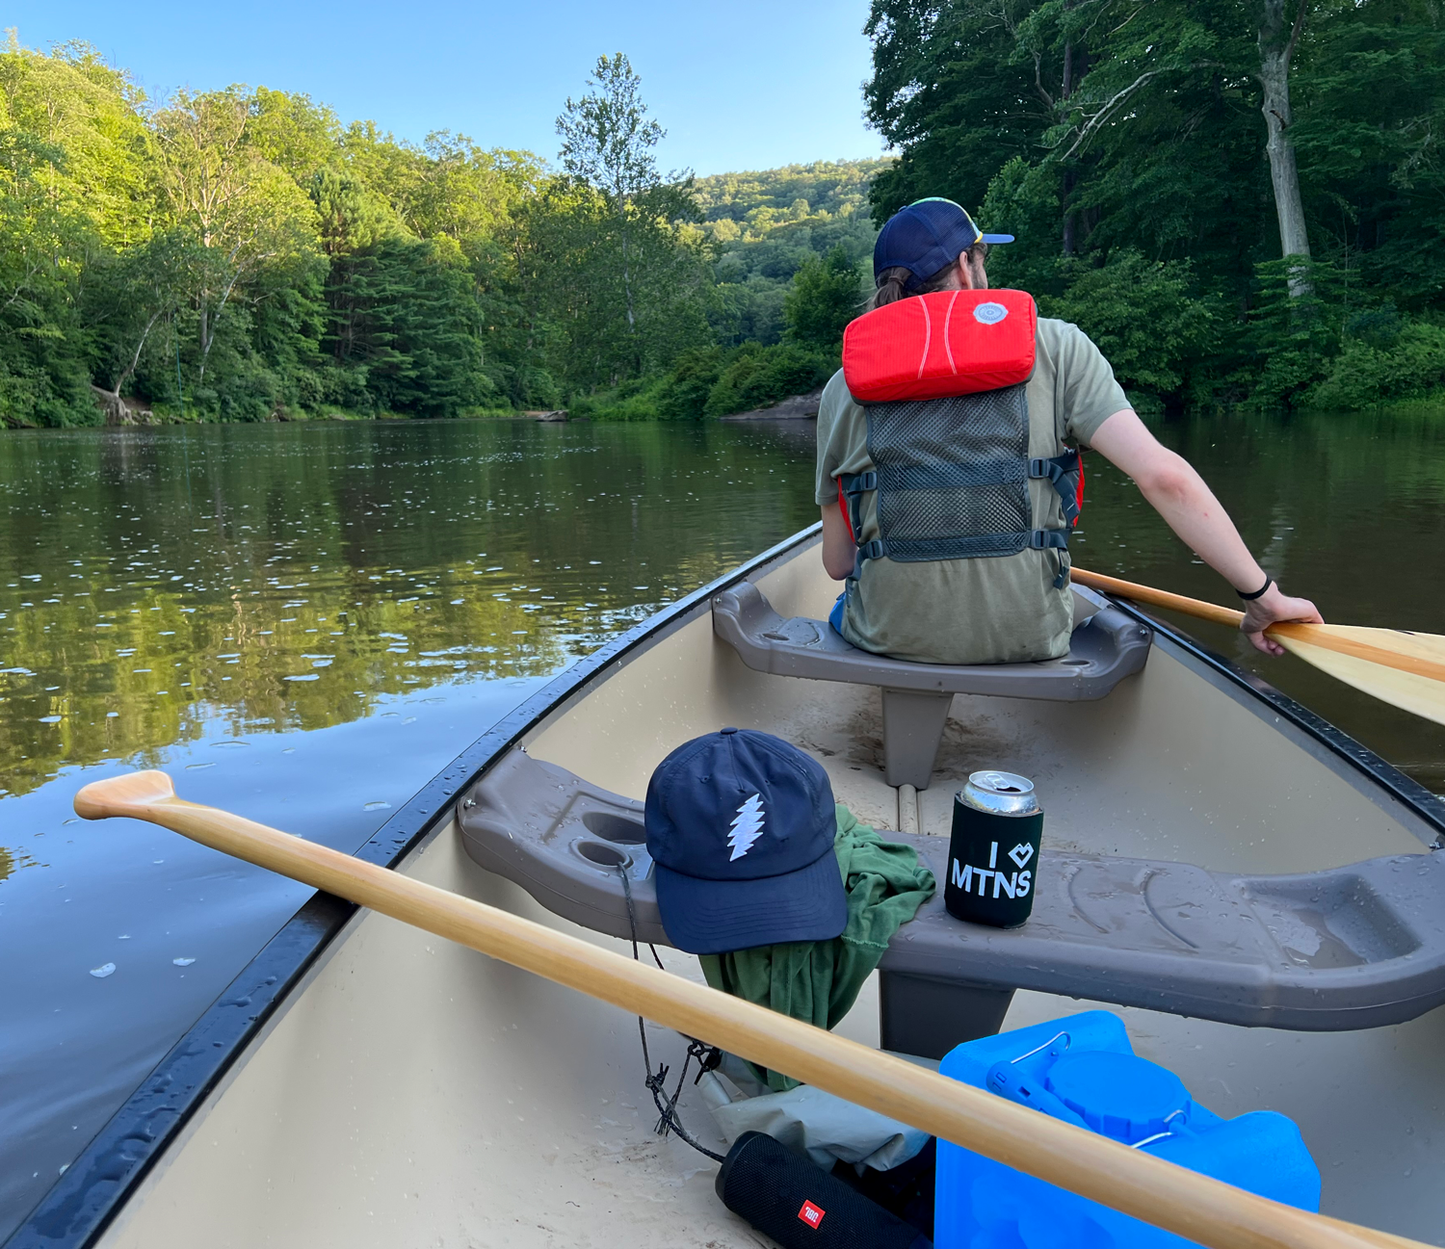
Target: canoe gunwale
(1338,746)
(84,1201)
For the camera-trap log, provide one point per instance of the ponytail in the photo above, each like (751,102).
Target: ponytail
(893,284)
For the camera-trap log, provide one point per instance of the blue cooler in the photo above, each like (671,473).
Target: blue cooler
(1083,1070)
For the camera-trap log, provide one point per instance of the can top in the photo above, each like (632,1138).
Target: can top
(1004,792)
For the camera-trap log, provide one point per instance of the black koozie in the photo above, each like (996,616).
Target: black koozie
(785,1196)
(992,865)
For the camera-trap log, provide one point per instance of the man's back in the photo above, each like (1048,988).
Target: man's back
(999,609)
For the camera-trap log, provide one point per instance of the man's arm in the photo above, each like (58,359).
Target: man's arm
(1172,487)
(839,552)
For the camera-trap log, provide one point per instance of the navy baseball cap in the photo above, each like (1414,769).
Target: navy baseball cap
(926,237)
(740,826)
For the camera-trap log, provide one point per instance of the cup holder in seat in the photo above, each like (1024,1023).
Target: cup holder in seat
(602,854)
(616,828)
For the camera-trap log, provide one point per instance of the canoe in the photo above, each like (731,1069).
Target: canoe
(363,1083)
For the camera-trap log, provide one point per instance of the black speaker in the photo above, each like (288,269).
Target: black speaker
(785,1196)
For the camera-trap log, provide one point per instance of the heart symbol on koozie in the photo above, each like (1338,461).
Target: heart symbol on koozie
(1021,853)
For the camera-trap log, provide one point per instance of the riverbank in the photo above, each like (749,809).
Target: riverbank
(135,415)
(654,401)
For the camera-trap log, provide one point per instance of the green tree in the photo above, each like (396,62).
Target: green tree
(1223,134)
(406,324)
(826,294)
(244,210)
(607,142)
(950,91)
(350,217)
(129,295)
(1143,316)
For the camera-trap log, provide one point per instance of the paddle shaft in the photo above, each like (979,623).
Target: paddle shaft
(1157,598)
(1181,1201)
(1284,632)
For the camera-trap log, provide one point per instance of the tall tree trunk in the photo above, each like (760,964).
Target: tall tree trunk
(205,338)
(627,274)
(1277,42)
(1065,91)
(1076,65)
(130,368)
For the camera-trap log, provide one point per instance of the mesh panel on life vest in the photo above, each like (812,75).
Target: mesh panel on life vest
(952,475)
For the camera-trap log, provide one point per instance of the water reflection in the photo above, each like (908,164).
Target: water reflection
(286,578)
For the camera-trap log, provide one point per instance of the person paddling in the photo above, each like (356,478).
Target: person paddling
(948,497)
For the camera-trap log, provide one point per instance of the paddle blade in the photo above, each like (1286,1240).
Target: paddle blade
(121,795)
(1411,680)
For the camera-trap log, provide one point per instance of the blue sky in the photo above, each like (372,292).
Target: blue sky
(747,84)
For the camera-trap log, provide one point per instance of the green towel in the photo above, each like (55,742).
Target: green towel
(818,981)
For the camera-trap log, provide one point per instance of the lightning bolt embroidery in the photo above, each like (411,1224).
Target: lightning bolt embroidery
(747,827)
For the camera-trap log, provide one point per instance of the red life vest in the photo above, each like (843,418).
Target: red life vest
(939,345)
(942,379)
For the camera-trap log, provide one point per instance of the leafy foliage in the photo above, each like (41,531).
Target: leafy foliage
(1125,146)
(765,226)
(1141,315)
(243,255)
(826,294)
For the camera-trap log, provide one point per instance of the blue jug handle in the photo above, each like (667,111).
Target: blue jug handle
(1007,1080)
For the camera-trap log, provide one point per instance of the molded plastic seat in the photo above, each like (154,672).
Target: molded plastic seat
(1136,932)
(1104,649)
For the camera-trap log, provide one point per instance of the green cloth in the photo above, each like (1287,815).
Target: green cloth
(818,981)
(999,609)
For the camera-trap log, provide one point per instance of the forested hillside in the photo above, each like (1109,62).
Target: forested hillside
(244,254)
(1237,198)
(765,226)
(789,250)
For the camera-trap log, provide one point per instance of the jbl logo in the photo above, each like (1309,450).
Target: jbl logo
(811,1214)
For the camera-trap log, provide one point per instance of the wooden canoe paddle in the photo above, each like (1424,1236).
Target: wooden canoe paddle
(1406,670)
(1182,1201)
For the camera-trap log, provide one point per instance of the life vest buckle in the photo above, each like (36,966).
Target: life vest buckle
(1049,539)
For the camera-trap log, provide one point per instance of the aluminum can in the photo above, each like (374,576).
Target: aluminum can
(994,849)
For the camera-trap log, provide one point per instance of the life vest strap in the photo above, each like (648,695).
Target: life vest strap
(1049,539)
(852,487)
(1064,472)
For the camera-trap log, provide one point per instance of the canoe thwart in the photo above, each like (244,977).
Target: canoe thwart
(1104,649)
(1360,946)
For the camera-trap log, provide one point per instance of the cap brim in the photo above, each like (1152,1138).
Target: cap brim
(998,238)
(719,916)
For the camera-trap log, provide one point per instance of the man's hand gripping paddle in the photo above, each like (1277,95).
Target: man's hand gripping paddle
(1406,670)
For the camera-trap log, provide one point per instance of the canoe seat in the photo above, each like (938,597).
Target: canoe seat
(1105,648)
(1353,947)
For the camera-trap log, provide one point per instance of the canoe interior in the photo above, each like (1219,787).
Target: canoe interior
(418,1094)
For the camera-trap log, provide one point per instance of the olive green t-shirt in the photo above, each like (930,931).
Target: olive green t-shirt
(993,609)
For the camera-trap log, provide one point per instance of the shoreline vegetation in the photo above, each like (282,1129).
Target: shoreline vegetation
(1241,205)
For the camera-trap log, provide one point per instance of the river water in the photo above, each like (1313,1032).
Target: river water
(304,623)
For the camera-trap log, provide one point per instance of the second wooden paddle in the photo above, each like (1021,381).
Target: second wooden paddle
(1406,670)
